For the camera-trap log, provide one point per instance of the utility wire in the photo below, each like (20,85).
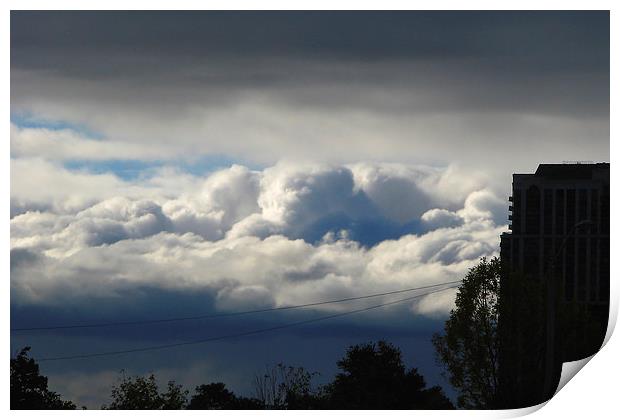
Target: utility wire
(221,315)
(236,335)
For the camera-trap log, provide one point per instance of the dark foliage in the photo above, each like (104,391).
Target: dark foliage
(287,388)
(29,388)
(469,346)
(374,377)
(215,396)
(142,393)
(495,345)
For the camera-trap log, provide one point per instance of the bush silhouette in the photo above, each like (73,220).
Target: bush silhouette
(29,388)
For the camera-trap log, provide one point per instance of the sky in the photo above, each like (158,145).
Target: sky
(170,164)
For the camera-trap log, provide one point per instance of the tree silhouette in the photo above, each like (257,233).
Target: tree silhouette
(215,396)
(494,345)
(29,388)
(469,346)
(374,377)
(142,393)
(286,387)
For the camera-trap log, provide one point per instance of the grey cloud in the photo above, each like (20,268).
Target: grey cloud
(438,218)
(473,88)
(552,35)
(23,256)
(314,271)
(245,296)
(463,249)
(400,87)
(548,61)
(437,123)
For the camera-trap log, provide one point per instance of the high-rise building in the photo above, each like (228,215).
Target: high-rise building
(560,229)
(558,245)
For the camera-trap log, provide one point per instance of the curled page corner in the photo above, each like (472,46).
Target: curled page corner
(521,412)
(613,317)
(569,370)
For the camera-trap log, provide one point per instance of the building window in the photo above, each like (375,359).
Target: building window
(559,212)
(570,210)
(583,205)
(582,271)
(532,210)
(594,208)
(548,212)
(516,212)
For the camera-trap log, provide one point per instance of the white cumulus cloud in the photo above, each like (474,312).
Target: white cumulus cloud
(239,234)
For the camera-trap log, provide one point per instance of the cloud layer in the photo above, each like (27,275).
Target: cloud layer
(486,88)
(285,235)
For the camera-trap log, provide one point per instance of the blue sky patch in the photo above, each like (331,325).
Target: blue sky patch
(132,169)
(27,120)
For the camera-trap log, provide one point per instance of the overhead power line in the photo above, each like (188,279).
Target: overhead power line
(237,335)
(227,314)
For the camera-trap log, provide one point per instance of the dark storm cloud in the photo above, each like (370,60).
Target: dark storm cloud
(554,37)
(506,47)
(22,256)
(159,75)
(337,86)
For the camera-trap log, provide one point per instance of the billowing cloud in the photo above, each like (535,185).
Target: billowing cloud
(249,238)
(436,218)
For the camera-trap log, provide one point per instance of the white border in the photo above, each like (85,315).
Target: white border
(591,394)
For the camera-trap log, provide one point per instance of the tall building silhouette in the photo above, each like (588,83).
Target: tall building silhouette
(558,242)
(560,223)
